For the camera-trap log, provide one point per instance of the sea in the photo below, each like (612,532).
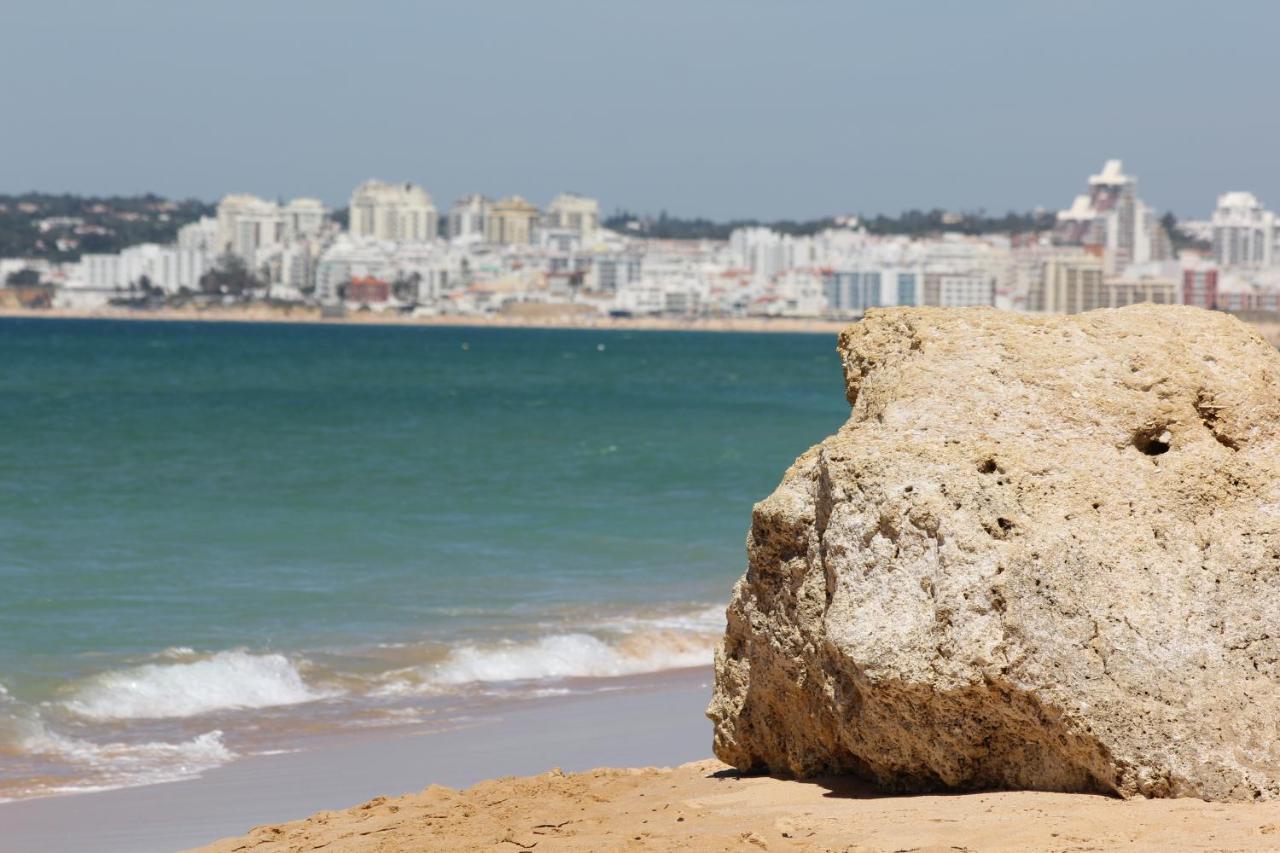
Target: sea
(220,539)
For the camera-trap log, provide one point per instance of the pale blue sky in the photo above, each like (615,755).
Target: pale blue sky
(720,108)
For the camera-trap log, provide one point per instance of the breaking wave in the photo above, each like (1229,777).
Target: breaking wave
(132,725)
(619,648)
(570,656)
(225,681)
(77,765)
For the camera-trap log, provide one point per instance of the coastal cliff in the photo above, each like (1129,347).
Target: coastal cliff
(1042,553)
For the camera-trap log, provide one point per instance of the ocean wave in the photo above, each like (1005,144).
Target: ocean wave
(706,620)
(557,656)
(228,680)
(82,765)
(108,766)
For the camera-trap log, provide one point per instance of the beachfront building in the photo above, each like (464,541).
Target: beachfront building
(850,292)
(251,227)
(365,290)
(1135,287)
(612,271)
(798,293)
(418,273)
(290,270)
(1249,290)
(349,258)
(1200,286)
(1112,218)
(511,222)
(1074,283)
(1244,233)
(201,234)
(171,269)
(1070,281)
(959,289)
(398,213)
(468,218)
(575,213)
(247,224)
(768,253)
(303,218)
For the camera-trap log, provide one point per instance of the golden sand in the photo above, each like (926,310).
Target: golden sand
(706,807)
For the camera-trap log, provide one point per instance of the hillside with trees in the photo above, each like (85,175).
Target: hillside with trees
(63,227)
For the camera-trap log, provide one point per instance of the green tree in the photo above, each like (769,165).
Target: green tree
(26,276)
(229,276)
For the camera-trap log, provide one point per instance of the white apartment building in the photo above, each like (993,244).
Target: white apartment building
(798,293)
(1074,283)
(468,218)
(170,268)
(247,224)
(959,289)
(1112,217)
(681,297)
(767,253)
(614,271)
(256,229)
(303,218)
(201,234)
(433,269)
(851,291)
(399,213)
(1244,233)
(512,221)
(573,212)
(347,258)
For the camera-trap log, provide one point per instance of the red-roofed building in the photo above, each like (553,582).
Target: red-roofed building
(368,289)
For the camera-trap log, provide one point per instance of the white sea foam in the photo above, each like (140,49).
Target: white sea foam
(556,656)
(707,620)
(225,681)
(183,758)
(567,656)
(122,765)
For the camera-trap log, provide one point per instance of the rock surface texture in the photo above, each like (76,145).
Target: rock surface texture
(1043,553)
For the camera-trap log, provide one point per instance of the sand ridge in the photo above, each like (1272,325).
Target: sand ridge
(705,806)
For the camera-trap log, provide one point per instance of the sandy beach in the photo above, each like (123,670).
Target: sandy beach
(705,806)
(260,313)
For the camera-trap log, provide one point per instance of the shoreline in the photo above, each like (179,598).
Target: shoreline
(308,315)
(311,316)
(641,719)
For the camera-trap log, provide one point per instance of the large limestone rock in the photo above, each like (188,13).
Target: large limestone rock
(1042,553)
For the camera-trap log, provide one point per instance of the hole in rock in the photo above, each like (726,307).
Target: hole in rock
(987,467)
(1153,441)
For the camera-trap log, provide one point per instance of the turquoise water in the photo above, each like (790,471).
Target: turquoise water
(206,525)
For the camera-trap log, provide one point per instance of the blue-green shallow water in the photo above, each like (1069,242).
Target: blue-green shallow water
(341,511)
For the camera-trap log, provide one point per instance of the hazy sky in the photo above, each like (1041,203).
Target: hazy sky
(714,107)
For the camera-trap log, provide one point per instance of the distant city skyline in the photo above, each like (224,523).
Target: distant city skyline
(719,109)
